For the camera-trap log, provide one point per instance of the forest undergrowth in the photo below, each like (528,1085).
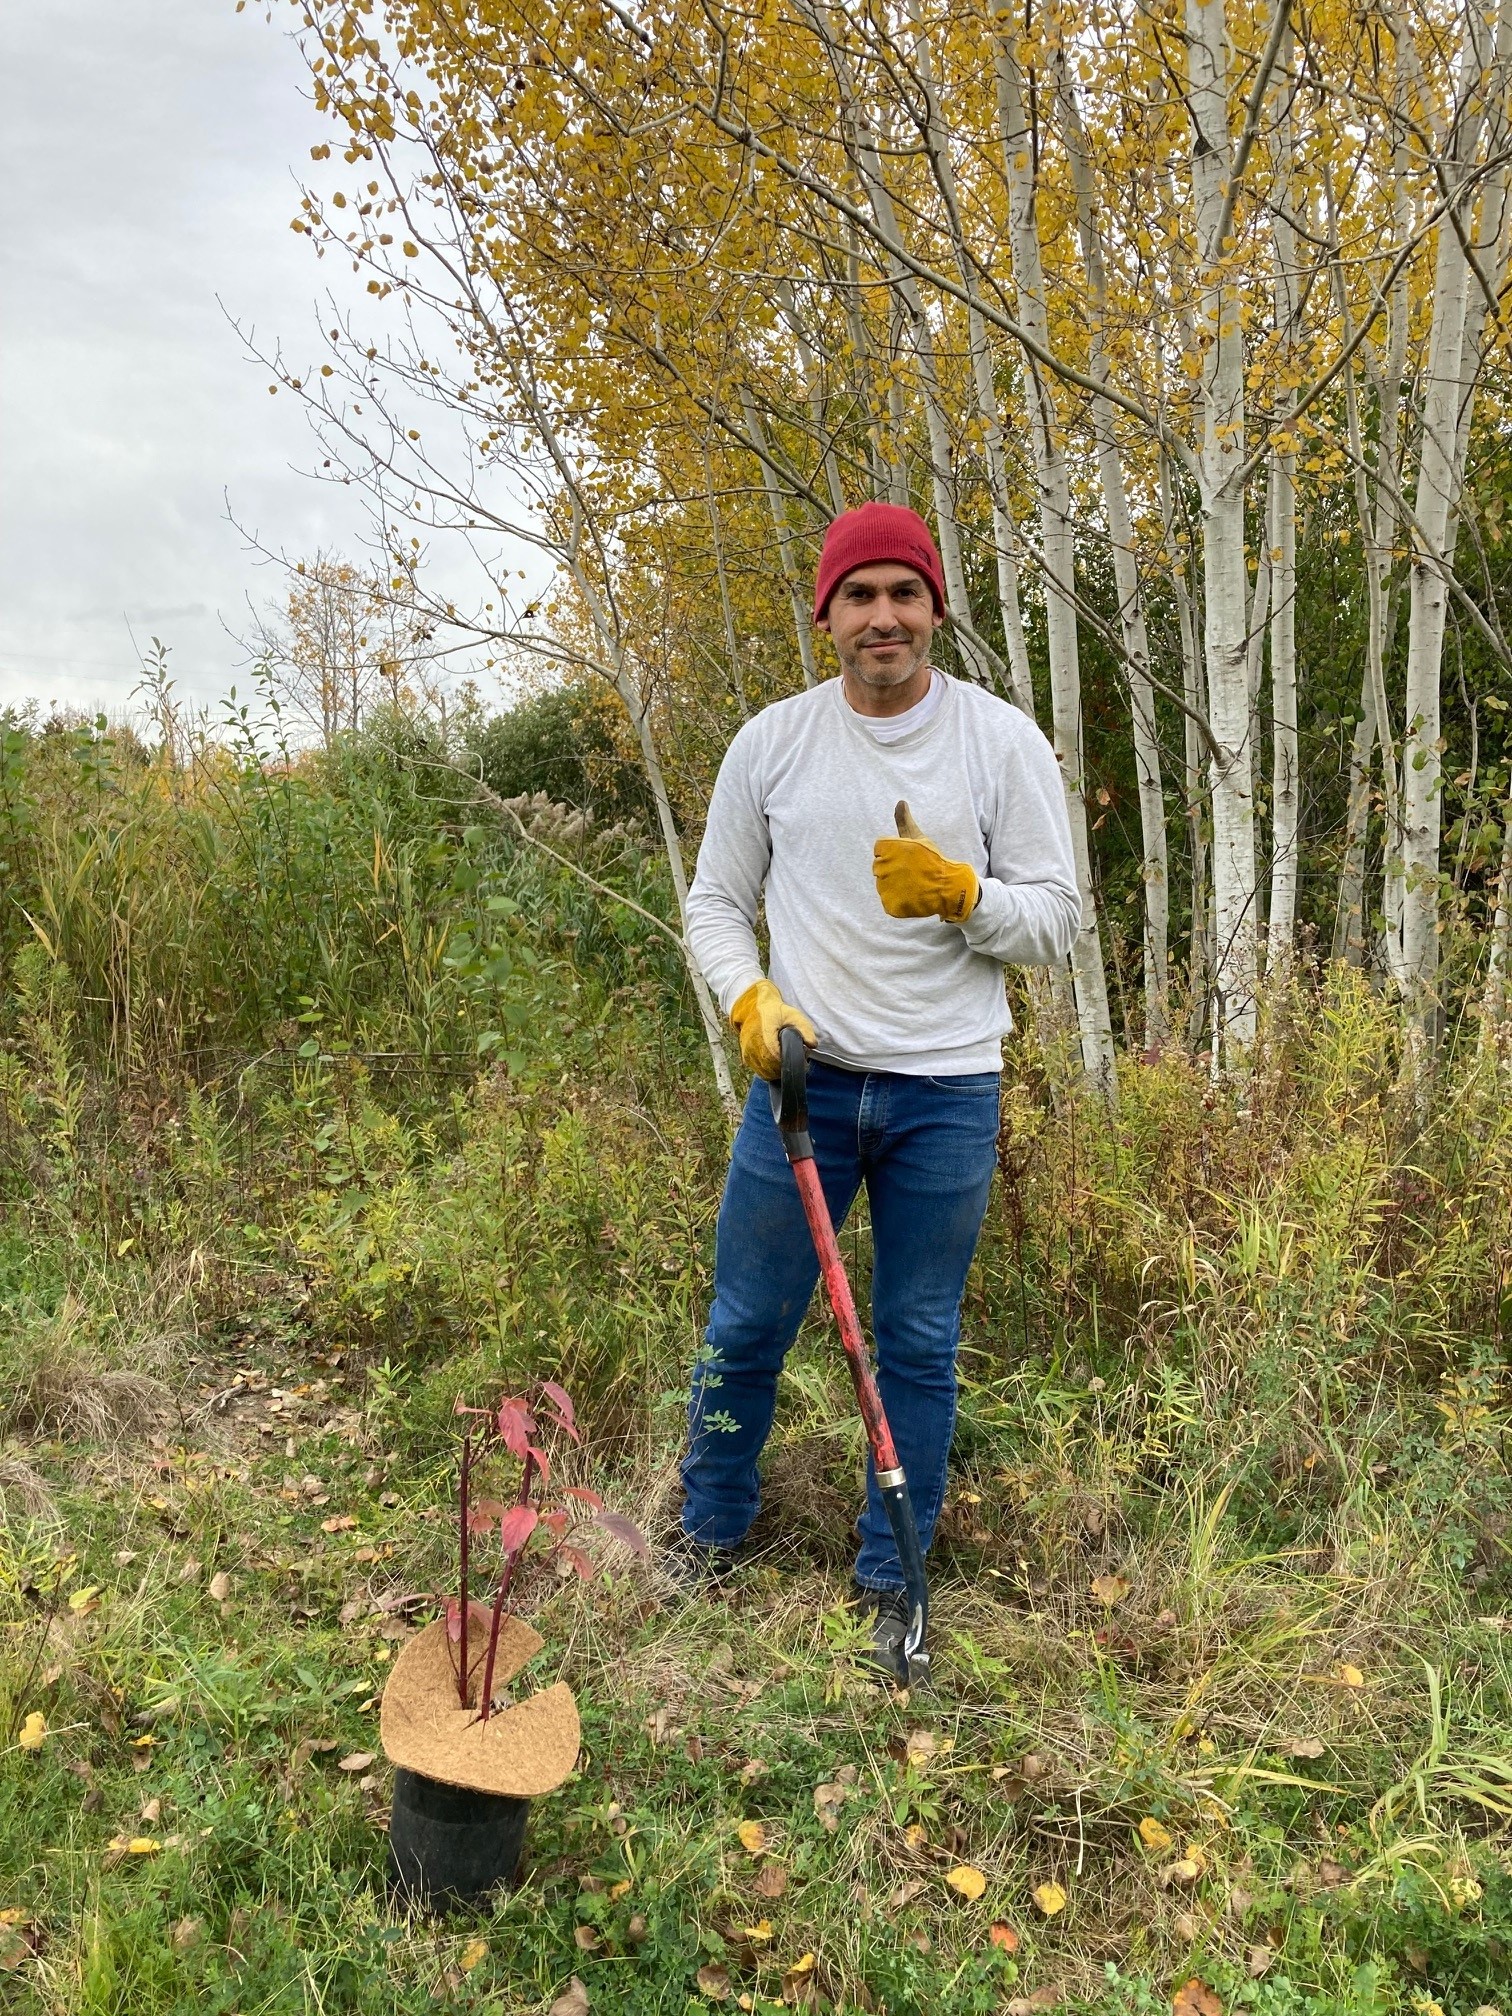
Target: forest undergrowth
(324,1103)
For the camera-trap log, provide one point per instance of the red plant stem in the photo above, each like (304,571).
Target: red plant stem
(485,1698)
(462,1539)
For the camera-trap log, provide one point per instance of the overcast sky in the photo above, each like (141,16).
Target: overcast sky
(148,149)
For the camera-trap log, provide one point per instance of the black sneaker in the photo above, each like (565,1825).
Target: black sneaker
(687,1567)
(890,1614)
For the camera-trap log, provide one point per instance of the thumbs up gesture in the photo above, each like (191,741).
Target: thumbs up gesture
(914,879)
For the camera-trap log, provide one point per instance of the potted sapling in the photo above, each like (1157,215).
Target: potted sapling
(468,1757)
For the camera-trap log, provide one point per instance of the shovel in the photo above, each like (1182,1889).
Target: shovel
(790,1110)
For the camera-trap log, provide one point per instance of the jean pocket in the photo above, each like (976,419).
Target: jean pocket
(969,1084)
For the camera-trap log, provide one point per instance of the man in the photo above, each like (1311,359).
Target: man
(887,954)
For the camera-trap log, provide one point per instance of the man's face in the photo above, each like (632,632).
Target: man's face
(882,618)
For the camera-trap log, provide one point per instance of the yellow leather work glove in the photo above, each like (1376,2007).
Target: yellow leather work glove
(757,1017)
(915,880)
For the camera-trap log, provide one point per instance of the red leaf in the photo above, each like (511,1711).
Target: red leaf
(519,1523)
(579,1561)
(487,1512)
(515,1424)
(540,1462)
(626,1531)
(454,1620)
(585,1497)
(555,1521)
(566,1418)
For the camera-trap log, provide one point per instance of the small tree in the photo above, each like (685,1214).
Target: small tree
(342,642)
(516,1428)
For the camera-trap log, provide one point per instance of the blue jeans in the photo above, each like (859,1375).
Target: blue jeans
(926,1149)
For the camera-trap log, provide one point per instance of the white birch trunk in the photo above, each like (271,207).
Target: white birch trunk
(861,361)
(1281,534)
(813,389)
(978,658)
(897,415)
(1494,1001)
(1377,536)
(1005,537)
(1281,924)
(1199,953)
(1225,581)
(1131,615)
(1349,914)
(737,683)
(1444,405)
(1057,547)
(802,613)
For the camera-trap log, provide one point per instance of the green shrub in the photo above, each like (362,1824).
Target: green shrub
(560,742)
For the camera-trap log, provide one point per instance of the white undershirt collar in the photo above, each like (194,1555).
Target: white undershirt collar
(893,727)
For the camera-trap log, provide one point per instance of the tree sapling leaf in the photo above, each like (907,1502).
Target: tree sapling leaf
(519,1522)
(626,1531)
(566,1418)
(515,1426)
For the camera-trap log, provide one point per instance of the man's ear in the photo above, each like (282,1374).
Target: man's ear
(938,618)
(822,622)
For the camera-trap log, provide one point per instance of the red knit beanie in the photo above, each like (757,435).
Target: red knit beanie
(877,532)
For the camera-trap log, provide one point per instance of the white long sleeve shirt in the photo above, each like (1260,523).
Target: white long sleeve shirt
(803,793)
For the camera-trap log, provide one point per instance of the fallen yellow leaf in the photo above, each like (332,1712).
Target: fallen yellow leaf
(618,1890)
(1185,1869)
(1348,1676)
(474,1951)
(967,1881)
(1050,1898)
(136,1844)
(752,1837)
(33,1731)
(759,1933)
(1195,1998)
(83,1601)
(1110,1589)
(1154,1836)
(804,1965)
(1003,1936)
(915,1835)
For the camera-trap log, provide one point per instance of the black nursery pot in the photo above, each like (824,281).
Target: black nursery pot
(449,1846)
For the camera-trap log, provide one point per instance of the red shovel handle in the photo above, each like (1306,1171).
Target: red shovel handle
(832,1267)
(790,1110)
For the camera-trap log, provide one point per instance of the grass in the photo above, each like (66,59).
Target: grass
(1221,1589)
(1318,1731)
